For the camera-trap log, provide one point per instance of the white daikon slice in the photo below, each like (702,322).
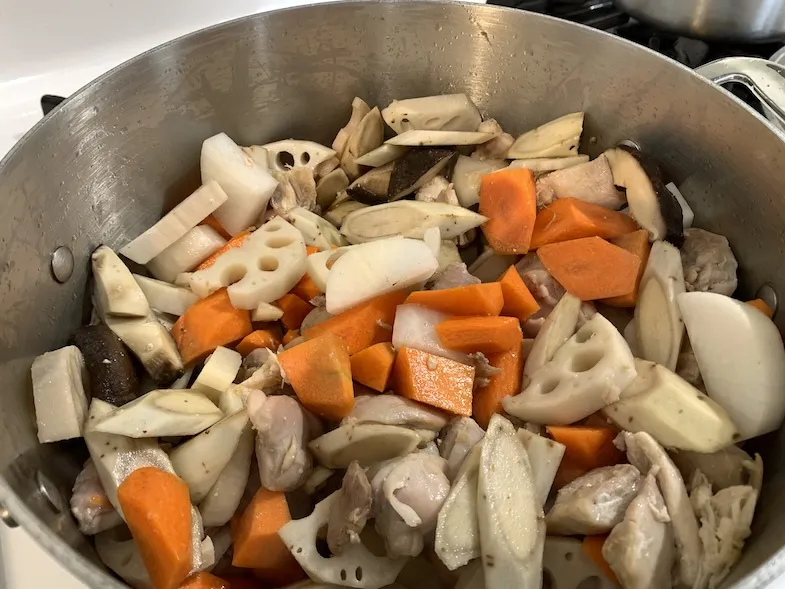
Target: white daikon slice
(264,268)
(200,460)
(687,215)
(512,525)
(415,327)
(658,321)
(558,138)
(466,177)
(545,456)
(316,264)
(558,327)
(549,164)
(247,185)
(266,312)
(165,297)
(186,253)
(671,411)
(59,379)
(288,153)
(316,230)
(115,288)
(161,413)
(449,112)
(176,223)
(420,138)
(376,268)
(383,154)
(586,374)
(433,239)
(741,359)
(218,373)
(367,443)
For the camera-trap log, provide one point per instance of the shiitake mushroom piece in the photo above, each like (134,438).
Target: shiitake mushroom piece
(112,375)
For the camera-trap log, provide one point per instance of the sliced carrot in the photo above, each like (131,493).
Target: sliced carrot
(518,299)
(363,325)
(591,447)
(509,199)
(761,306)
(569,218)
(592,547)
(290,335)
(306,289)
(476,299)
(255,538)
(488,335)
(234,242)
(311,249)
(209,323)
(488,399)
(261,338)
(591,268)
(568,471)
(205,580)
(157,508)
(372,366)
(294,310)
(216,226)
(434,380)
(636,243)
(320,373)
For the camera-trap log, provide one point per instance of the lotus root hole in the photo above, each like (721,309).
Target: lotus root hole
(271,227)
(234,274)
(268,264)
(279,241)
(549,386)
(358,573)
(285,159)
(584,335)
(586,361)
(305,157)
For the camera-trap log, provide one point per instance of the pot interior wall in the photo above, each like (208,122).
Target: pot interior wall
(105,165)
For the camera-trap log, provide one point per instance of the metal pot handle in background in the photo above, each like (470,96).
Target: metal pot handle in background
(765,79)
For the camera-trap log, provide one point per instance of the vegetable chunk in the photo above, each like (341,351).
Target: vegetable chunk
(509,199)
(373,366)
(489,335)
(569,218)
(518,299)
(433,380)
(476,299)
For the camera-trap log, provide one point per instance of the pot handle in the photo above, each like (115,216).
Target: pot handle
(765,79)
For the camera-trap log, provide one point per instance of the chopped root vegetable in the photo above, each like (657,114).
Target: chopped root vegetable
(476,299)
(372,366)
(433,380)
(218,373)
(233,243)
(487,399)
(205,580)
(261,338)
(186,253)
(255,536)
(508,198)
(636,243)
(216,226)
(488,335)
(307,289)
(289,336)
(320,373)
(592,547)
(761,306)
(569,218)
(157,508)
(364,325)
(589,447)
(294,310)
(591,268)
(210,323)
(518,300)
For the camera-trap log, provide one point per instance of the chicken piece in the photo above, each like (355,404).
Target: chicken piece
(458,439)
(296,188)
(438,189)
(709,263)
(89,504)
(594,503)
(395,410)
(590,182)
(647,455)
(262,371)
(640,548)
(725,468)
(483,370)
(544,288)
(496,148)
(725,519)
(350,511)
(453,276)
(283,430)
(408,493)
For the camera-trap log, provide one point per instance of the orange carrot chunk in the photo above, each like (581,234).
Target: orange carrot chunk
(157,508)
(234,242)
(311,249)
(476,299)
(209,323)
(372,366)
(261,338)
(364,325)
(488,335)
(294,310)
(320,373)
(518,300)
(636,243)
(509,199)
(591,268)
(761,306)
(592,547)
(290,335)
(216,226)
(433,380)
(488,399)
(255,536)
(205,580)
(569,218)
(306,289)
(591,447)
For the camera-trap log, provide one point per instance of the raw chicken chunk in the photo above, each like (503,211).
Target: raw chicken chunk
(453,276)
(590,182)
(92,509)
(496,148)
(260,370)
(350,511)
(458,439)
(438,190)
(544,288)
(709,263)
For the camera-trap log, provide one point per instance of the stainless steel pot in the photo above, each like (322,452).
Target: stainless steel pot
(103,165)
(731,20)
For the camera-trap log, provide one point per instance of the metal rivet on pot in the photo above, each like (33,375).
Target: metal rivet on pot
(62,264)
(630,143)
(768,295)
(6,518)
(50,492)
